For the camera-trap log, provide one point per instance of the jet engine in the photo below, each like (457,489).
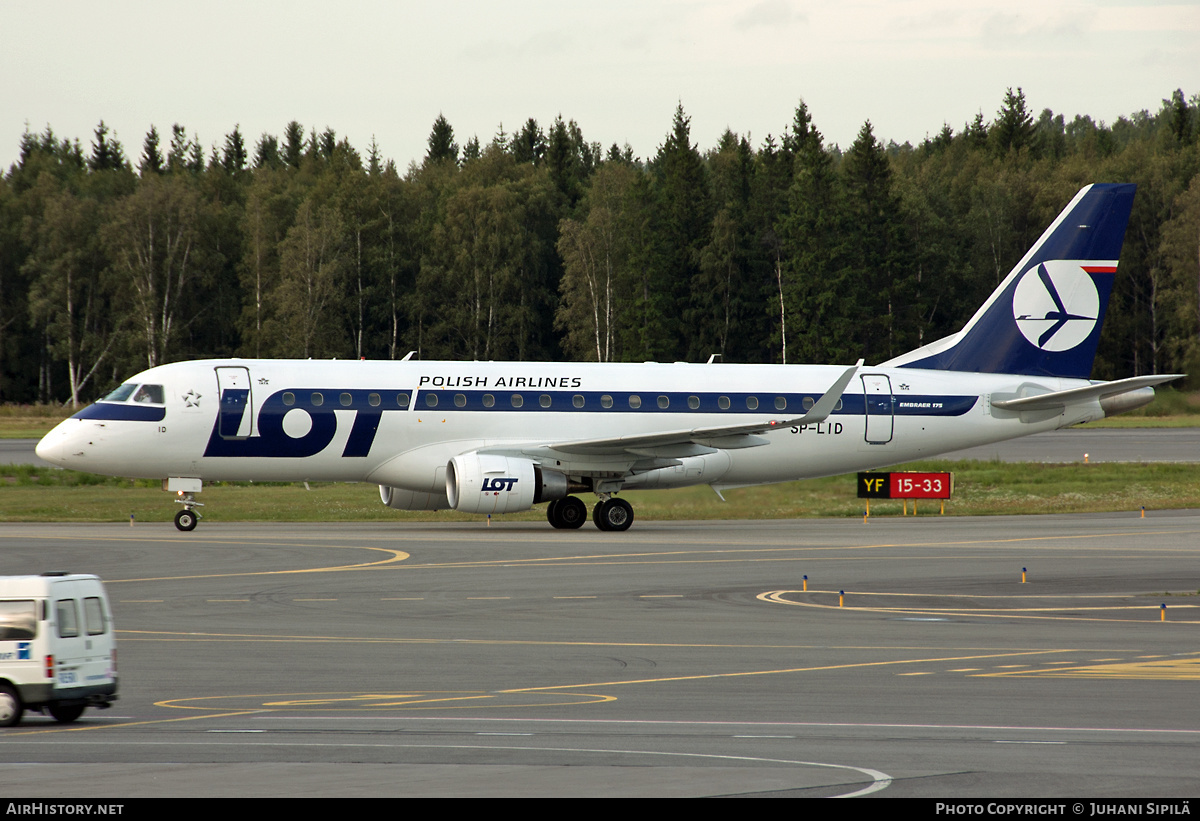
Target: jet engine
(398,498)
(486,483)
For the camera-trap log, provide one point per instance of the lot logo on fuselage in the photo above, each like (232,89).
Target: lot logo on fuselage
(300,423)
(1056,305)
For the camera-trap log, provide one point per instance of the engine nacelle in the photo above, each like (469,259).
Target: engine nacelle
(486,483)
(398,498)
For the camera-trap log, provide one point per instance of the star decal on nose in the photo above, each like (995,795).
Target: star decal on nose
(262,380)
(191,399)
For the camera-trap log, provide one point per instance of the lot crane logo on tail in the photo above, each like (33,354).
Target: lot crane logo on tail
(1056,304)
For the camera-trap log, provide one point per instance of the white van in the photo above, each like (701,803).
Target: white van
(58,651)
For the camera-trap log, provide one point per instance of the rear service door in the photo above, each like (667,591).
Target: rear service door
(877,391)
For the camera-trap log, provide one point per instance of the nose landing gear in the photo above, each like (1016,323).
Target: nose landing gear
(185,494)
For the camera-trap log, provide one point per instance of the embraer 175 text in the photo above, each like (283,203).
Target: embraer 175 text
(500,437)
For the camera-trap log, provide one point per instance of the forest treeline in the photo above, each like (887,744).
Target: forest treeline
(542,245)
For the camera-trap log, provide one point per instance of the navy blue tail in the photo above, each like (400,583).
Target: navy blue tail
(1045,317)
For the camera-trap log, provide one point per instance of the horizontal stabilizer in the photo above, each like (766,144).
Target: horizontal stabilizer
(1103,390)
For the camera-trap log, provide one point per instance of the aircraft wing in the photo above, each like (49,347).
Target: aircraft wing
(1103,390)
(694,441)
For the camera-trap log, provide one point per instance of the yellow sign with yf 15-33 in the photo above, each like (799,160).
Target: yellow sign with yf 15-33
(905,485)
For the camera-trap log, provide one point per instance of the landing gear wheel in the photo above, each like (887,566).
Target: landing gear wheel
(186,520)
(613,514)
(11,708)
(567,514)
(65,715)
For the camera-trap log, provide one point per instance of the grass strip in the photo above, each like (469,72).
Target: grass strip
(29,494)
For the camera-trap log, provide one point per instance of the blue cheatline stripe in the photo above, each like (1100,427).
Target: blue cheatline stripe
(374,402)
(111,411)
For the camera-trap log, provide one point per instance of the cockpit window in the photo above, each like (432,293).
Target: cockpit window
(149,394)
(120,394)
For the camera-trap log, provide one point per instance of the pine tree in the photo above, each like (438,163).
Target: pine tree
(152,159)
(1014,128)
(233,159)
(293,144)
(442,148)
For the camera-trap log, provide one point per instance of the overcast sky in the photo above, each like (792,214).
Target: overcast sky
(386,69)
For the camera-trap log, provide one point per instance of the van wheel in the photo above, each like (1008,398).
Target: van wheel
(65,715)
(11,708)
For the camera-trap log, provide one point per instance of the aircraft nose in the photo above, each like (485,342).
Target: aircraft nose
(50,448)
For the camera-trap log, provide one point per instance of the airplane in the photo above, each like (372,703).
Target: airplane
(501,437)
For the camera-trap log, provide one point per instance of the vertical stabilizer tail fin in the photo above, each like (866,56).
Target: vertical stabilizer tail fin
(1045,317)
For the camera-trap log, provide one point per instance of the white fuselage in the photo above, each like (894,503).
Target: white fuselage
(399,423)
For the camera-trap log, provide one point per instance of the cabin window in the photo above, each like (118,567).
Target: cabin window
(635,401)
(694,402)
(120,394)
(317,400)
(488,400)
(289,399)
(402,400)
(373,399)
(808,403)
(577,400)
(149,394)
(780,403)
(346,399)
(517,400)
(431,400)
(544,400)
(606,401)
(460,401)
(664,402)
(838,406)
(752,402)
(723,402)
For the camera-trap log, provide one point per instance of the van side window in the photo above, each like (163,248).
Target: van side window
(68,618)
(93,616)
(18,620)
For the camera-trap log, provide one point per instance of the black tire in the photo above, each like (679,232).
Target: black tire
(615,514)
(65,715)
(571,512)
(186,520)
(552,514)
(11,708)
(596,520)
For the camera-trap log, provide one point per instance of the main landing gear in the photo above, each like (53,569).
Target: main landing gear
(608,514)
(567,514)
(612,514)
